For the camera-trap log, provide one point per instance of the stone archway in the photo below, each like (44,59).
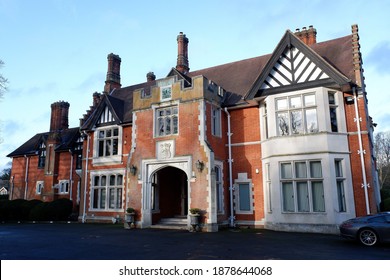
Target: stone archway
(169,193)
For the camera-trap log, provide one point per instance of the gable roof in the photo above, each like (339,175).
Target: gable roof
(295,65)
(31,146)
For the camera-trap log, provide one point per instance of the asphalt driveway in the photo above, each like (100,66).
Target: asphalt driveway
(112,242)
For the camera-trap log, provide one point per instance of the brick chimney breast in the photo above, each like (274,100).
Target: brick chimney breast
(59,116)
(113,78)
(307,35)
(182,53)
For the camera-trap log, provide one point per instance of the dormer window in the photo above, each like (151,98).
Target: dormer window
(108,145)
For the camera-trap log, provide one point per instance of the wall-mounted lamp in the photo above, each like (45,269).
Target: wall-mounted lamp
(133,170)
(349,99)
(199,165)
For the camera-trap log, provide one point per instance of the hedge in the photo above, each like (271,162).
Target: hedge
(385,205)
(35,210)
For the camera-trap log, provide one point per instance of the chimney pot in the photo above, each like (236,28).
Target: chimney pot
(150,77)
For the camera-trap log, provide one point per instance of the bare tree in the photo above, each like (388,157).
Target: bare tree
(3,81)
(382,151)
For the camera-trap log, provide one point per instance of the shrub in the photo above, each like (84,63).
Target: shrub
(59,210)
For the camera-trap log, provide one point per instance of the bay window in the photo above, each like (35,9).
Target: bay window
(302,186)
(296,115)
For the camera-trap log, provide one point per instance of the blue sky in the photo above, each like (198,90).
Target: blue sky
(57,50)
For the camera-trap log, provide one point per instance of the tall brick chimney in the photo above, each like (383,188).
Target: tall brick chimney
(59,116)
(308,36)
(182,53)
(113,78)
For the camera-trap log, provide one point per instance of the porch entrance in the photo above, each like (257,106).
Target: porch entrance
(169,194)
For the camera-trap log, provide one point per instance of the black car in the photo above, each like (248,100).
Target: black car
(369,230)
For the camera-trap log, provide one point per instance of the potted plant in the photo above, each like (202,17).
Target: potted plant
(195,218)
(130,218)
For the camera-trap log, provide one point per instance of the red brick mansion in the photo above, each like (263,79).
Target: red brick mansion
(281,141)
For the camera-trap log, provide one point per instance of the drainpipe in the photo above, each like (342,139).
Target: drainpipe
(71,175)
(26,178)
(361,152)
(85,178)
(230,161)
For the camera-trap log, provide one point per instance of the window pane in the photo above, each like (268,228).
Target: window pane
(300,170)
(116,131)
(310,100)
(114,146)
(108,147)
(315,169)
(283,123)
(311,120)
(288,197)
(95,198)
(112,198)
(119,198)
(318,197)
(112,180)
(102,200)
(161,127)
(286,171)
(108,133)
(333,119)
(338,167)
(96,181)
(295,102)
(303,197)
(101,148)
(175,124)
(281,104)
(296,122)
(119,180)
(244,197)
(103,181)
(341,196)
(332,100)
(101,134)
(168,126)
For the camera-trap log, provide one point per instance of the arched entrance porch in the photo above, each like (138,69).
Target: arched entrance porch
(169,194)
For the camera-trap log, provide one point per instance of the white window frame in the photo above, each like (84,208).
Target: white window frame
(243,180)
(63,186)
(39,186)
(300,108)
(216,123)
(294,181)
(333,106)
(268,187)
(112,158)
(104,204)
(340,185)
(157,118)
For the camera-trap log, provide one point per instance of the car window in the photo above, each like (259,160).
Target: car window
(387,217)
(378,220)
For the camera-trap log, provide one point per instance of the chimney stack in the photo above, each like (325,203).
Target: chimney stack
(59,116)
(150,77)
(182,54)
(308,36)
(113,78)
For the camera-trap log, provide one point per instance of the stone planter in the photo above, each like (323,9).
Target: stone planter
(194,222)
(129,220)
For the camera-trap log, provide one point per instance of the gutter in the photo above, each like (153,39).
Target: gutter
(26,177)
(361,152)
(71,175)
(85,179)
(230,161)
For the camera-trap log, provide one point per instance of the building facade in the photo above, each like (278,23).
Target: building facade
(281,141)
